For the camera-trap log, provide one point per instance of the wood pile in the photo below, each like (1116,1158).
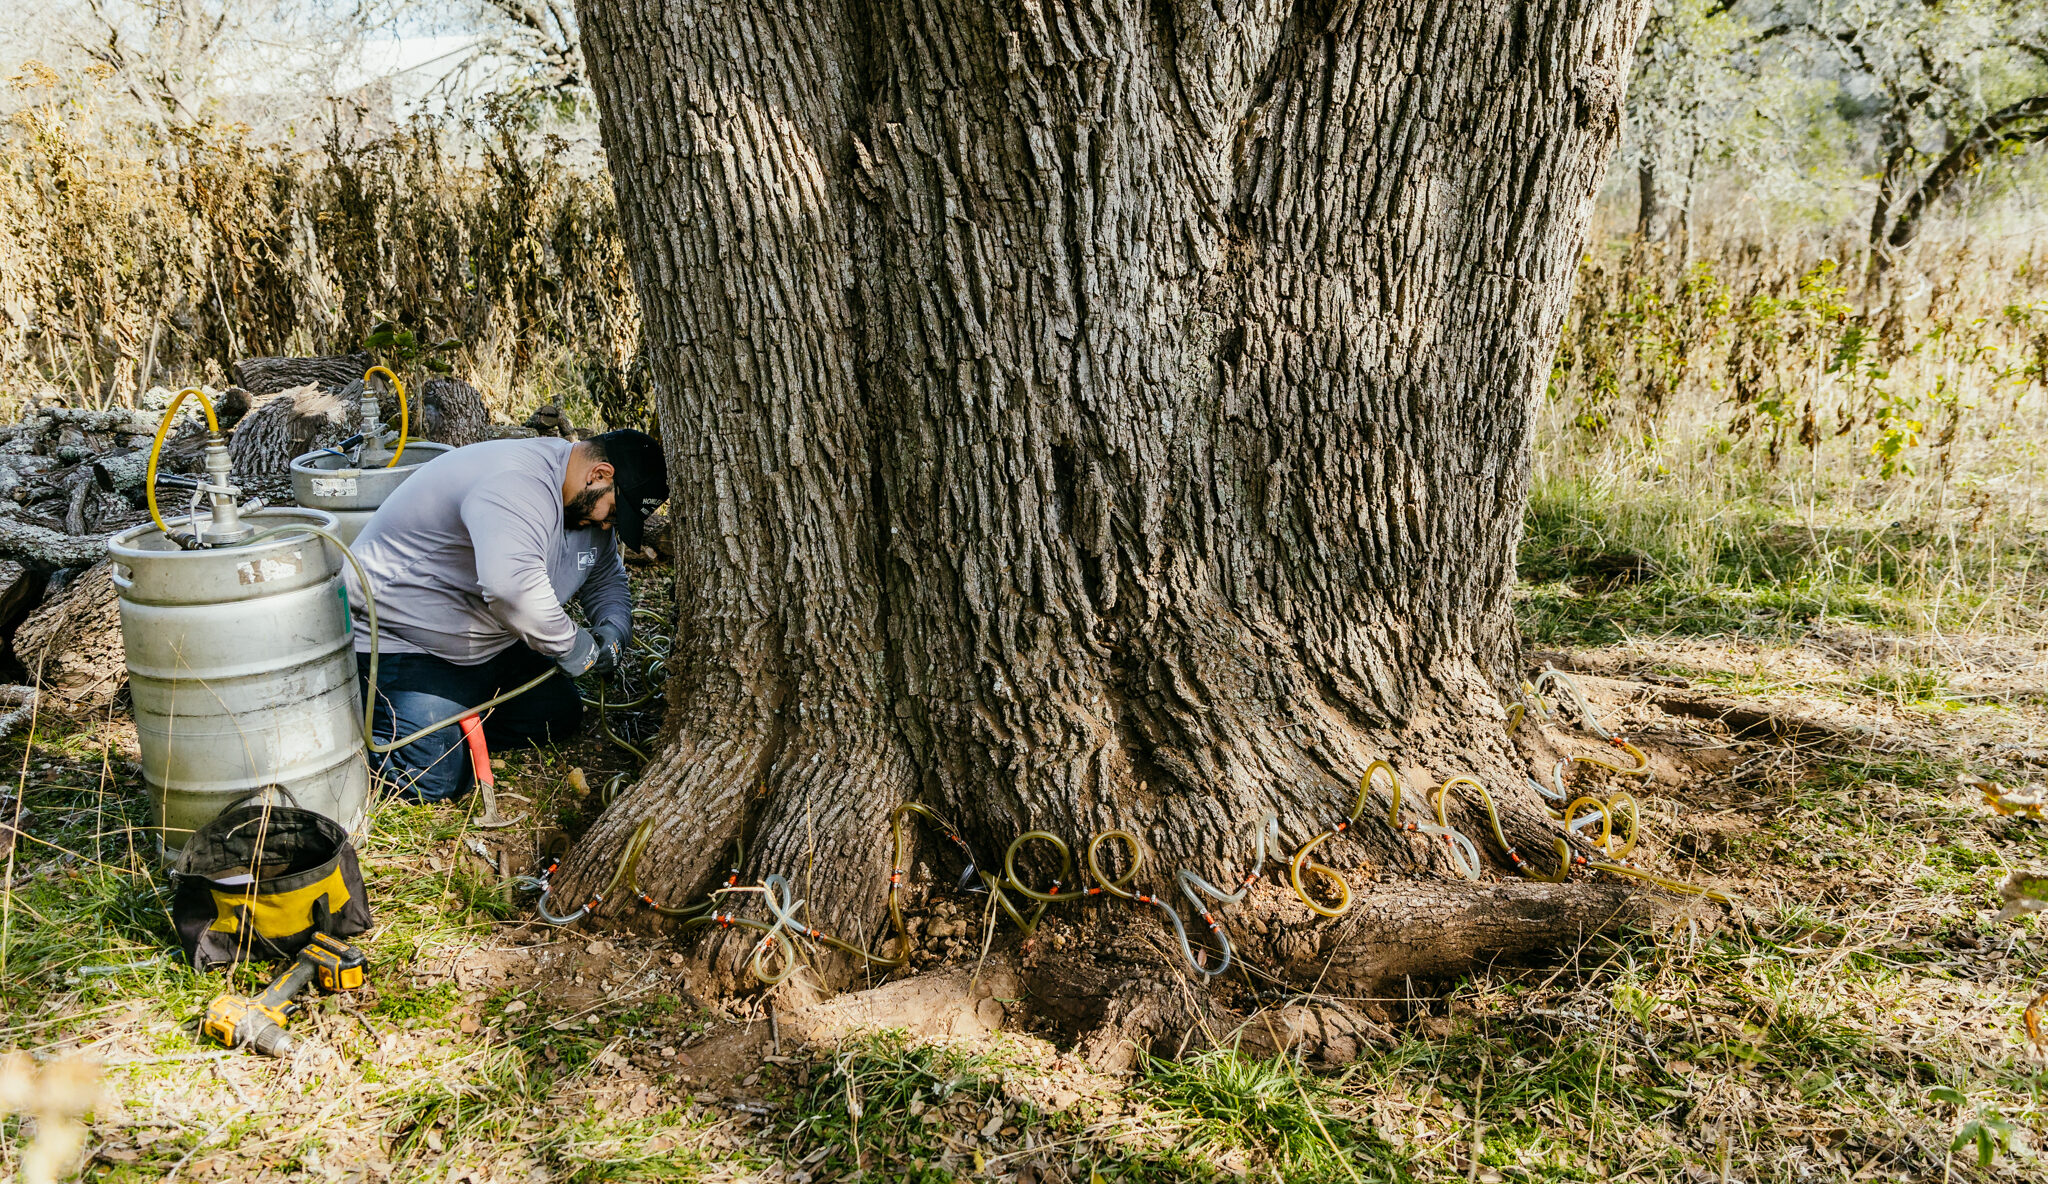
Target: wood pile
(70,646)
(72,477)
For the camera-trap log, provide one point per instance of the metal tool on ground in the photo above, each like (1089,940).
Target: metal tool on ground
(259,1022)
(486,779)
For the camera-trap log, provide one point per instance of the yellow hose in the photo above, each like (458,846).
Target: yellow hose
(1669,885)
(1614,803)
(1564,851)
(163,430)
(404,414)
(1642,759)
(1606,818)
(1330,875)
(779,938)
(1516,712)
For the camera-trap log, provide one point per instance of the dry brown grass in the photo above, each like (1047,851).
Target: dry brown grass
(123,249)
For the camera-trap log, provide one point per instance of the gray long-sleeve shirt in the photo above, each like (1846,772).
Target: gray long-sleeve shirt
(469,556)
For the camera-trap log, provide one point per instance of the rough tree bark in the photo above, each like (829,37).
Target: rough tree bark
(1090,415)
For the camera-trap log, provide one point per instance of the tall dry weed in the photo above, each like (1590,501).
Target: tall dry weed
(130,256)
(1747,417)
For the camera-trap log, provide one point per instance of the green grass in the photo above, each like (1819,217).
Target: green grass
(1289,1124)
(1599,562)
(1609,552)
(926,1113)
(892,1108)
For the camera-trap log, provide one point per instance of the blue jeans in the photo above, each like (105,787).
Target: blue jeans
(414,690)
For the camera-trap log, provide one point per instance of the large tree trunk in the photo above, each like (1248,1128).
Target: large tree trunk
(1090,415)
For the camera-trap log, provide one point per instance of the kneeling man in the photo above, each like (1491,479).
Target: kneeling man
(472,560)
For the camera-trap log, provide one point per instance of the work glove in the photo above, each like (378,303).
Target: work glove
(610,649)
(582,654)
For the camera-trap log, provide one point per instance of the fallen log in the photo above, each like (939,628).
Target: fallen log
(71,646)
(39,546)
(123,472)
(117,419)
(268,376)
(21,702)
(20,590)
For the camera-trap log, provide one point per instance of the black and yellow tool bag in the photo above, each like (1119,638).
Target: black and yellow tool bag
(257,882)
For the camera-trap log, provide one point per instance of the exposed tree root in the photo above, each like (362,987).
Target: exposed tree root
(1745,720)
(956,1002)
(1752,721)
(1110,985)
(1431,929)
(1118,997)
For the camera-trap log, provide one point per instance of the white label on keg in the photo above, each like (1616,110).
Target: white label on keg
(334,487)
(291,563)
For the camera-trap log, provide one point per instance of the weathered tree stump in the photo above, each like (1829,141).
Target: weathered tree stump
(451,412)
(285,426)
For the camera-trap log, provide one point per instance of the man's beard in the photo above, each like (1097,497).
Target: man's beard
(577,514)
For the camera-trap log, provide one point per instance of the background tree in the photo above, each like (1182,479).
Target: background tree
(1937,90)
(1096,415)
(1696,97)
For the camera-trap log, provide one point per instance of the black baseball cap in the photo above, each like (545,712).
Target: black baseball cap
(639,479)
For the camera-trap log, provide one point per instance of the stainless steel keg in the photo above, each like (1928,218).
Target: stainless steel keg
(332,482)
(242,668)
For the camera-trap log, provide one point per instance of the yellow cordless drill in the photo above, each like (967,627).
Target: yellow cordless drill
(259,1023)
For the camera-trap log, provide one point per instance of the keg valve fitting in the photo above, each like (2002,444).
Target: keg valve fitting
(225,527)
(372,421)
